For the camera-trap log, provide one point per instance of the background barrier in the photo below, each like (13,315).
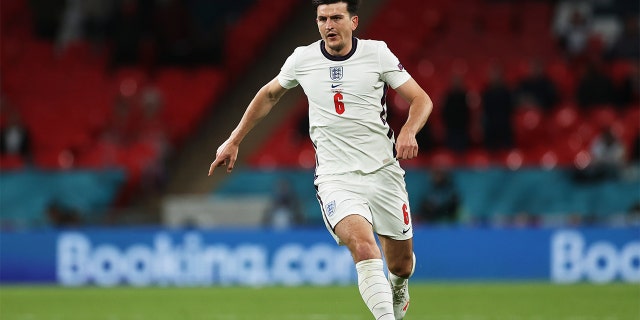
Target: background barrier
(143,257)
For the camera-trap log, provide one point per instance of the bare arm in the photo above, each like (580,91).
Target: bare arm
(420,107)
(259,107)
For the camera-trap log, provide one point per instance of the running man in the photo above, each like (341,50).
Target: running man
(360,184)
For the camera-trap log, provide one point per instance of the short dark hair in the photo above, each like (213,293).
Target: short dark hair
(352,5)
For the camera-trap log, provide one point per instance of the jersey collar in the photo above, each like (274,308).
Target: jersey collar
(354,45)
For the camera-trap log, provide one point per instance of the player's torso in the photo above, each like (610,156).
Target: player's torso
(340,92)
(347,115)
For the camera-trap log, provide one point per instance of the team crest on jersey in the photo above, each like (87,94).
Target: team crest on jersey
(335,73)
(331,208)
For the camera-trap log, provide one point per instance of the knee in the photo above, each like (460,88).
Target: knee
(402,267)
(364,250)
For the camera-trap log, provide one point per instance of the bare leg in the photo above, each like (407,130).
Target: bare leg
(401,263)
(399,255)
(357,234)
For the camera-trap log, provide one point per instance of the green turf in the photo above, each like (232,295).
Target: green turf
(432,301)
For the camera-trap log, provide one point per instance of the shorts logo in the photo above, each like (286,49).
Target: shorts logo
(335,73)
(330,208)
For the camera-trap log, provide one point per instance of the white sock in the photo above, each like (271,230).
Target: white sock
(374,289)
(399,281)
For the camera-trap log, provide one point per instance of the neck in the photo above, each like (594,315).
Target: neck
(341,55)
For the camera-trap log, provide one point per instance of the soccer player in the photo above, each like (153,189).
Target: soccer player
(359,182)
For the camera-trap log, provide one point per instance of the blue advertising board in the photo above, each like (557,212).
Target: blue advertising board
(256,257)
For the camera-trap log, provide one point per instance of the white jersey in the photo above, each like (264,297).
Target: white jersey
(347,109)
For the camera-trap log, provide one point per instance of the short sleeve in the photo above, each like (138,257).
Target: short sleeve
(392,71)
(287,75)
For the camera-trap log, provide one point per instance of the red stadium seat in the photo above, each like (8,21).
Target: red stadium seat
(565,119)
(477,158)
(602,116)
(528,127)
(442,158)
(11,162)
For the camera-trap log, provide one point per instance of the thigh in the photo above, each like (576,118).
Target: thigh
(357,234)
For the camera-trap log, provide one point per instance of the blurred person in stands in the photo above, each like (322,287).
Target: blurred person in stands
(456,115)
(46,17)
(121,124)
(634,156)
(15,139)
(70,28)
(628,91)
(128,27)
(574,35)
(595,87)
(442,202)
(536,88)
(151,133)
(61,216)
(301,134)
(608,158)
(359,182)
(627,45)
(171,26)
(96,19)
(119,130)
(497,107)
(284,211)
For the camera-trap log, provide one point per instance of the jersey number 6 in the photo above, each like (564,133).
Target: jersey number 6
(337,101)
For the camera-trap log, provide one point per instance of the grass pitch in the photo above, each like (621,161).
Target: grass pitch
(430,301)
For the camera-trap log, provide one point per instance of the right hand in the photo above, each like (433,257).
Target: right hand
(226,155)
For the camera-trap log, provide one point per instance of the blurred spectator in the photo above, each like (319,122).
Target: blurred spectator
(284,211)
(574,35)
(634,156)
(537,88)
(608,158)
(627,45)
(301,134)
(47,15)
(127,28)
(595,87)
(498,107)
(171,25)
(15,139)
(121,125)
(457,116)
(71,24)
(96,15)
(629,88)
(61,216)
(151,134)
(118,133)
(442,202)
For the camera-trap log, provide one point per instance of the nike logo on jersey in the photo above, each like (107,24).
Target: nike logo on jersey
(405,231)
(335,85)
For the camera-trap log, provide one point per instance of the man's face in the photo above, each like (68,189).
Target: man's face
(336,27)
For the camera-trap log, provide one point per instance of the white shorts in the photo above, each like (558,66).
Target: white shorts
(380,197)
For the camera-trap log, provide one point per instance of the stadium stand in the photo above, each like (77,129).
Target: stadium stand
(83,113)
(468,38)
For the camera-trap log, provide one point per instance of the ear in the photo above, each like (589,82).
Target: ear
(354,22)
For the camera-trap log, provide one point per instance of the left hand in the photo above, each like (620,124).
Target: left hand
(406,146)
(226,155)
